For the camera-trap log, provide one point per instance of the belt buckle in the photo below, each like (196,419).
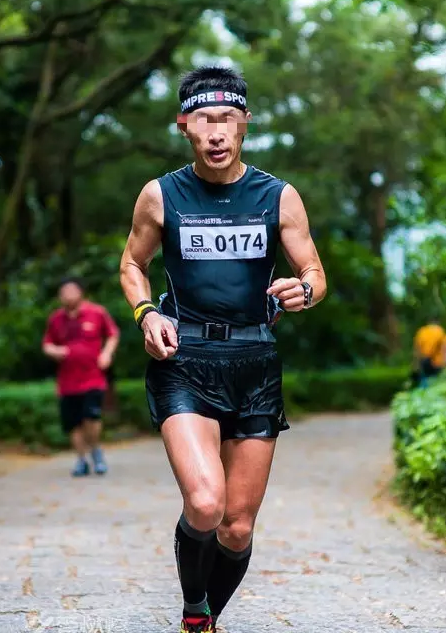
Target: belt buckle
(216,331)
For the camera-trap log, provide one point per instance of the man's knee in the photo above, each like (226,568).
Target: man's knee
(204,509)
(236,533)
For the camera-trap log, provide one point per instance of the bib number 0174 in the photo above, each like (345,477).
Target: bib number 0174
(223,242)
(238,241)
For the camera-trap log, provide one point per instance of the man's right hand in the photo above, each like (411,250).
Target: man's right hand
(160,336)
(58,352)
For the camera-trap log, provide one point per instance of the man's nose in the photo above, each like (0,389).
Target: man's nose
(216,138)
(216,130)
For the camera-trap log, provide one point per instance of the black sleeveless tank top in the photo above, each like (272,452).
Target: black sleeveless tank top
(219,246)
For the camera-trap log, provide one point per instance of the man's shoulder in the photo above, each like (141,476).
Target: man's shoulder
(91,307)
(178,174)
(265,176)
(56,315)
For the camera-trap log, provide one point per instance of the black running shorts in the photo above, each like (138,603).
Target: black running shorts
(239,387)
(74,409)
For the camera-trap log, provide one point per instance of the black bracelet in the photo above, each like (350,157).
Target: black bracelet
(149,308)
(141,309)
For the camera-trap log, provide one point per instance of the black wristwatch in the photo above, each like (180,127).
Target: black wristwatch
(308,294)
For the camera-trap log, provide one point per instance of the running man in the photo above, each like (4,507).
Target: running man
(214,382)
(81,337)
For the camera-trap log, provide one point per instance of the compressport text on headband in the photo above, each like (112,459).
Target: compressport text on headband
(216,97)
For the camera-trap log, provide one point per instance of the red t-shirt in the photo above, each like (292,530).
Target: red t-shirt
(84,336)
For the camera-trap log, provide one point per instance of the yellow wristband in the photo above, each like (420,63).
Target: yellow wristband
(141,307)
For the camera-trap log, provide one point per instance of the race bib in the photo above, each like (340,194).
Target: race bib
(223,242)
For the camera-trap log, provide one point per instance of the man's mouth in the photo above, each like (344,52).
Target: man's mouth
(218,154)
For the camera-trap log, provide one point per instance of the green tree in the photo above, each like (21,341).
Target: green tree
(63,65)
(352,118)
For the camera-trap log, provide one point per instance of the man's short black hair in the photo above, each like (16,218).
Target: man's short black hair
(211,78)
(71,279)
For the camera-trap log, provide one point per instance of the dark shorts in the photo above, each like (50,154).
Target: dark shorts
(79,407)
(240,388)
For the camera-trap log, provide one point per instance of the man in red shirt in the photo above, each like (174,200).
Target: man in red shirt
(82,337)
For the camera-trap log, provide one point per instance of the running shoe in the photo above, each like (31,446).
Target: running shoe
(81,468)
(100,467)
(197,625)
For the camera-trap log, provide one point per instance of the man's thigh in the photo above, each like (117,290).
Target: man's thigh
(71,412)
(192,444)
(92,404)
(247,465)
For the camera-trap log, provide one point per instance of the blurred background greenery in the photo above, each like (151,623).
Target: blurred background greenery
(348,100)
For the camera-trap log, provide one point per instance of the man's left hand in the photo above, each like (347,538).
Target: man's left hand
(290,292)
(104,360)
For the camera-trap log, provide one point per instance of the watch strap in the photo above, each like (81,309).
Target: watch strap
(308,294)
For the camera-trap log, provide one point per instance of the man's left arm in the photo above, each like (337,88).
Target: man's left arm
(301,254)
(111,334)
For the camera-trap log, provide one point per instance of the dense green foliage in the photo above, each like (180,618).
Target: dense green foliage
(345,107)
(343,390)
(30,415)
(420,450)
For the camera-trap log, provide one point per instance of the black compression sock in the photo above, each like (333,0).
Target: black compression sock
(227,573)
(209,556)
(190,548)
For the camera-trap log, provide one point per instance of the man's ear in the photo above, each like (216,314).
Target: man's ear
(248,116)
(182,124)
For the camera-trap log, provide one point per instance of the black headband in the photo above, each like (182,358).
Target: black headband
(205,98)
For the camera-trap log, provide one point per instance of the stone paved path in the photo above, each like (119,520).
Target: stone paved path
(95,556)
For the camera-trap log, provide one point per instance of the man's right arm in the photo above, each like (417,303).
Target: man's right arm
(49,347)
(142,245)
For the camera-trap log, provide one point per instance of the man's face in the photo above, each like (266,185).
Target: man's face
(70,295)
(216,134)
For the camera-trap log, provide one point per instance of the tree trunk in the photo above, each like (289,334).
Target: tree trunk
(24,226)
(373,207)
(17,194)
(66,213)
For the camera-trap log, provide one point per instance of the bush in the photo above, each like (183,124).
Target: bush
(343,390)
(29,411)
(420,452)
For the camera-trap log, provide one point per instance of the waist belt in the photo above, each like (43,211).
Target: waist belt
(226,332)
